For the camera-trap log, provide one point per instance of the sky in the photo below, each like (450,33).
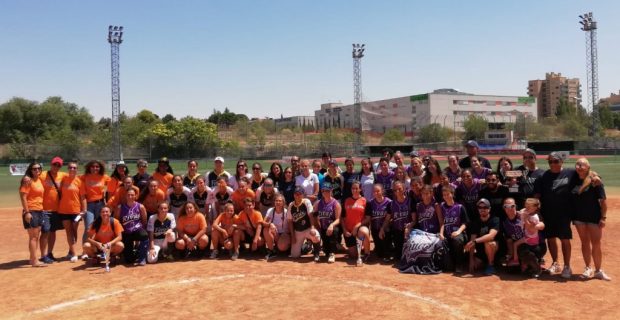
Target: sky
(287,57)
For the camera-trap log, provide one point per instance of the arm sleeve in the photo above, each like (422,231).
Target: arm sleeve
(173,221)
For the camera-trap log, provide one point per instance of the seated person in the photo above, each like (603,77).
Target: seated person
(105,233)
(482,247)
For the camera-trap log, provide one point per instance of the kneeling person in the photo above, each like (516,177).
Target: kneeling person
(161,233)
(105,233)
(249,228)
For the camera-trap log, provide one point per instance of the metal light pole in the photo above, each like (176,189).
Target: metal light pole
(589,25)
(115,38)
(358,54)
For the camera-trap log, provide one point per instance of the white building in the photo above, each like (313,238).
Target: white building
(447,107)
(295,121)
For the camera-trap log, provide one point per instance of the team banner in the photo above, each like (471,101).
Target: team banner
(18,169)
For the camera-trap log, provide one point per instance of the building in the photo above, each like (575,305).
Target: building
(550,91)
(447,107)
(613,101)
(296,121)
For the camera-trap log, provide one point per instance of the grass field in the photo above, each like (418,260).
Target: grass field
(606,166)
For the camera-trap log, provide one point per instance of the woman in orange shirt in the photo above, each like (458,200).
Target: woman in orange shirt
(72,204)
(31,196)
(242,192)
(116,180)
(223,228)
(192,230)
(163,174)
(105,231)
(151,198)
(95,182)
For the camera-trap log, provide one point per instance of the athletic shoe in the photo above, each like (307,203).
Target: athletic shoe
(46,260)
(51,256)
(270,254)
(234,256)
(489,270)
(331,258)
(555,268)
(317,258)
(587,273)
(601,276)
(84,257)
(388,259)
(69,256)
(169,257)
(213,254)
(73,259)
(142,262)
(567,272)
(359,262)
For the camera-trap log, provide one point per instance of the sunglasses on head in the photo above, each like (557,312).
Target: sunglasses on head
(509,206)
(483,208)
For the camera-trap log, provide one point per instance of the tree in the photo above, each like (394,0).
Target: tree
(606,116)
(433,133)
(393,135)
(168,118)
(475,126)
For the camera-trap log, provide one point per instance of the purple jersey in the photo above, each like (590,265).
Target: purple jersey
(452,176)
(481,175)
(386,182)
(377,212)
(453,217)
(427,217)
(401,213)
(130,218)
(513,229)
(326,213)
(468,196)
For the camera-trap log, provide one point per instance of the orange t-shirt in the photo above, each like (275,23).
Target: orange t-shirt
(192,225)
(72,190)
(113,185)
(152,201)
(50,196)
(237,198)
(105,233)
(165,181)
(255,217)
(121,196)
(34,194)
(353,212)
(226,221)
(95,185)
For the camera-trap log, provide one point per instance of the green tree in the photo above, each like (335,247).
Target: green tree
(475,126)
(433,133)
(393,135)
(606,116)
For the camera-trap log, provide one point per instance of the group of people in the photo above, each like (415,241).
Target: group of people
(466,217)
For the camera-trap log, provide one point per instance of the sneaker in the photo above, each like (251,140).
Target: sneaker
(142,262)
(331,258)
(489,270)
(69,256)
(213,254)
(51,256)
(234,256)
(84,257)
(317,258)
(554,269)
(567,272)
(270,254)
(359,262)
(388,259)
(73,259)
(46,260)
(601,276)
(169,257)
(587,273)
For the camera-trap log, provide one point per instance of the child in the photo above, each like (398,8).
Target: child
(530,222)
(454,224)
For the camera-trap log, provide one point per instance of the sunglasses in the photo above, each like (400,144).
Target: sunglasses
(528,157)
(553,161)
(483,208)
(268,185)
(36,168)
(72,168)
(255,168)
(288,172)
(56,164)
(241,166)
(142,166)
(509,206)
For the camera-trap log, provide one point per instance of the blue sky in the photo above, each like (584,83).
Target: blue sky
(267,58)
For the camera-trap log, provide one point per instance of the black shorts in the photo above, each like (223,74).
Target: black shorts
(55,221)
(558,227)
(66,216)
(35,222)
(481,253)
(350,241)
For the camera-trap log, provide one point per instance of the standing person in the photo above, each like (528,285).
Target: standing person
(467,194)
(401,176)
(324,163)
(334,180)
(377,213)
(31,195)
(238,196)
(387,154)
(590,213)
(266,196)
(221,195)
(240,172)
(504,164)
(295,165)
(308,181)
(163,174)
(189,180)
(160,228)
(249,228)
(218,171)
(51,198)
(275,228)
(258,176)
(178,195)
(327,212)
(287,185)
(403,213)
(120,195)
(104,232)
(348,176)
(301,223)
(276,173)
(415,189)
(223,230)
(482,247)
(367,178)
(432,173)
(192,231)
(142,178)
(385,177)
(428,216)
(398,160)
(529,173)
(95,181)
(495,192)
(352,217)
(316,169)
(132,216)
(416,168)
(200,194)
(472,151)
(116,179)
(477,170)
(455,222)
(452,171)
(151,198)
(72,203)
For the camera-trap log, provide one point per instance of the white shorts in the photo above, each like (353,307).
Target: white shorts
(300,236)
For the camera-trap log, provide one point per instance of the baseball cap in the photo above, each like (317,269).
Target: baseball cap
(162,160)
(472,143)
(300,189)
(484,202)
(121,164)
(218,159)
(333,163)
(555,155)
(57,160)
(414,154)
(528,150)
(327,186)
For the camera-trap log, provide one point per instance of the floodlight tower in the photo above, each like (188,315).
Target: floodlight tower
(589,26)
(115,38)
(358,54)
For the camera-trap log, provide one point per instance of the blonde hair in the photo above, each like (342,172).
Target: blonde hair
(587,181)
(533,201)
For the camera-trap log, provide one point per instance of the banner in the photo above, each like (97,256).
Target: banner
(18,169)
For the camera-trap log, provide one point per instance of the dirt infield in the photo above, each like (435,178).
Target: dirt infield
(287,289)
